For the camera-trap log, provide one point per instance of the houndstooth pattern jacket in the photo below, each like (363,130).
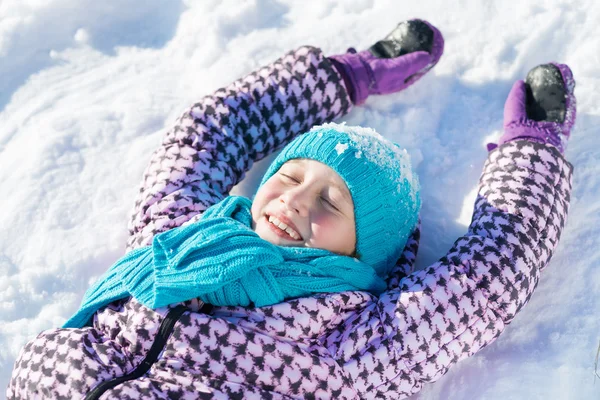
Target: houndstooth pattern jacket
(348,345)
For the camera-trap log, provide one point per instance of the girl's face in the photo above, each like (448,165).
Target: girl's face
(305,204)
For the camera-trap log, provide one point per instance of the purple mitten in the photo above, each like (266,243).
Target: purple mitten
(542,108)
(392,64)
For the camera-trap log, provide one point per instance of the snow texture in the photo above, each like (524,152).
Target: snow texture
(88,87)
(341,148)
(379,151)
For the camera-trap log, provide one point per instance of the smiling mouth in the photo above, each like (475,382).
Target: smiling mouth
(281,229)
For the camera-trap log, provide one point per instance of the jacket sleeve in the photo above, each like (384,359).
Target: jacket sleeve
(453,308)
(217,140)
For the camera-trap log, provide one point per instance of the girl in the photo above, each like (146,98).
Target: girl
(308,290)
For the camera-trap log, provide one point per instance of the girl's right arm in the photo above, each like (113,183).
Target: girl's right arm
(217,140)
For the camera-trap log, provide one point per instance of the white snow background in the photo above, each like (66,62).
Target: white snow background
(87,88)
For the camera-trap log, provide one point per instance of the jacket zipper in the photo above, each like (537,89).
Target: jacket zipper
(164,331)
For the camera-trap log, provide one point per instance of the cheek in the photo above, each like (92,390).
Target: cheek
(263,196)
(324,226)
(333,234)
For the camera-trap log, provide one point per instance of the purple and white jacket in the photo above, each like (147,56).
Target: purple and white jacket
(348,345)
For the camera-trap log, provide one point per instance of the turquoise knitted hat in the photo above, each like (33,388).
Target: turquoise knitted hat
(383,185)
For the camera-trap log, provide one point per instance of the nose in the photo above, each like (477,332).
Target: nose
(297,199)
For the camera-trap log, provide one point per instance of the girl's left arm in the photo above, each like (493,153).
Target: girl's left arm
(217,140)
(452,309)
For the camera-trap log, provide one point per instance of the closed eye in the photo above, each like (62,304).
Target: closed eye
(329,203)
(290,178)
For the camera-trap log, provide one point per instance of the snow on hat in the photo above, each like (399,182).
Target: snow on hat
(379,176)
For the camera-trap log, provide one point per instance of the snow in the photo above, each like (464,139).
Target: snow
(341,148)
(377,150)
(88,87)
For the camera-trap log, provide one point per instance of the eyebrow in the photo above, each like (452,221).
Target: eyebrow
(343,190)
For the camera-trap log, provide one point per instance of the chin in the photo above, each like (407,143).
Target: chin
(263,233)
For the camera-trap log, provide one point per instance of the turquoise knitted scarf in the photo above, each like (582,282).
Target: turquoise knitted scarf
(220,260)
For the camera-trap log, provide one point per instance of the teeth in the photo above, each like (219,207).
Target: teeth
(292,233)
(284,227)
